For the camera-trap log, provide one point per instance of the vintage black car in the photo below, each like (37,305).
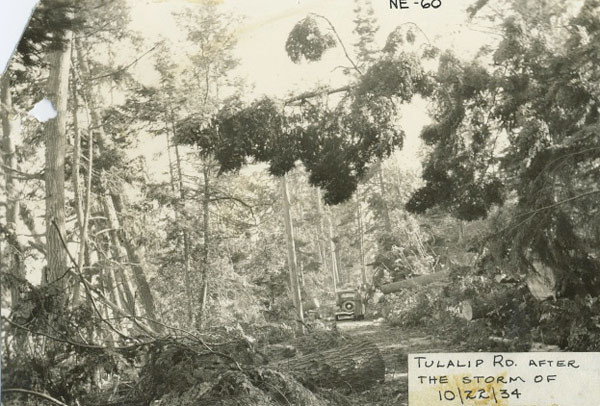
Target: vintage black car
(351,305)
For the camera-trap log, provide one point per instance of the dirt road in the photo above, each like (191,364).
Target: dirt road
(394,343)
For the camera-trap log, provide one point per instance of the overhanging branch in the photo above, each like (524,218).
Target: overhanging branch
(316,93)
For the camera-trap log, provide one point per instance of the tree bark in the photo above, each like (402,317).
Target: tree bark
(122,282)
(321,240)
(332,250)
(186,237)
(361,242)
(309,344)
(170,158)
(387,223)
(416,282)
(136,262)
(76,154)
(352,367)
(291,247)
(342,276)
(55,139)
(9,159)
(206,237)
(82,207)
(76,184)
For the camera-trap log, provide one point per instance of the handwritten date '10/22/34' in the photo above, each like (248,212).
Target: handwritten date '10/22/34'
(423,4)
(466,395)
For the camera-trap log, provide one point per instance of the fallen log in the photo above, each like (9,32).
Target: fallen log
(416,282)
(353,367)
(317,342)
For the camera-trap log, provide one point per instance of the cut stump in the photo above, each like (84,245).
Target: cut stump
(473,310)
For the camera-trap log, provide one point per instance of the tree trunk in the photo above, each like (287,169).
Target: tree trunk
(332,250)
(55,139)
(318,341)
(136,262)
(206,237)
(461,231)
(342,276)
(123,284)
(82,207)
(134,257)
(321,241)
(387,223)
(291,247)
(361,243)
(9,159)
(170,158)
(186,237)
(336,255)
(416,282)
(309,344)
(89,98)
(352,367)
(76,184)
(76,155)
(301,268)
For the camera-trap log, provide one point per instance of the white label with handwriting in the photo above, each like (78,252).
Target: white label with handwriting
(505,379)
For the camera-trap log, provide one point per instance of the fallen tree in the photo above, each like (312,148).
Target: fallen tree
(256,386)
(316,342)
(416,282)
(225,372)
(352,367)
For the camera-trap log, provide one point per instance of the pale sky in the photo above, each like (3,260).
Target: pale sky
(263,31)
(265,25)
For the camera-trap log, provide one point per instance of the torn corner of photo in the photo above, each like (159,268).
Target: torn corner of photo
(14,16)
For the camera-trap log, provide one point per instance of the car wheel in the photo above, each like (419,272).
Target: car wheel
(348,306)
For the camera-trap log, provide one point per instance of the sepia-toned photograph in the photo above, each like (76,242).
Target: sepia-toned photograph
(300,202)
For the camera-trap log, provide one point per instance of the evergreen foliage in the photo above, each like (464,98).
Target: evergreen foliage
(537,101)
(308,40)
